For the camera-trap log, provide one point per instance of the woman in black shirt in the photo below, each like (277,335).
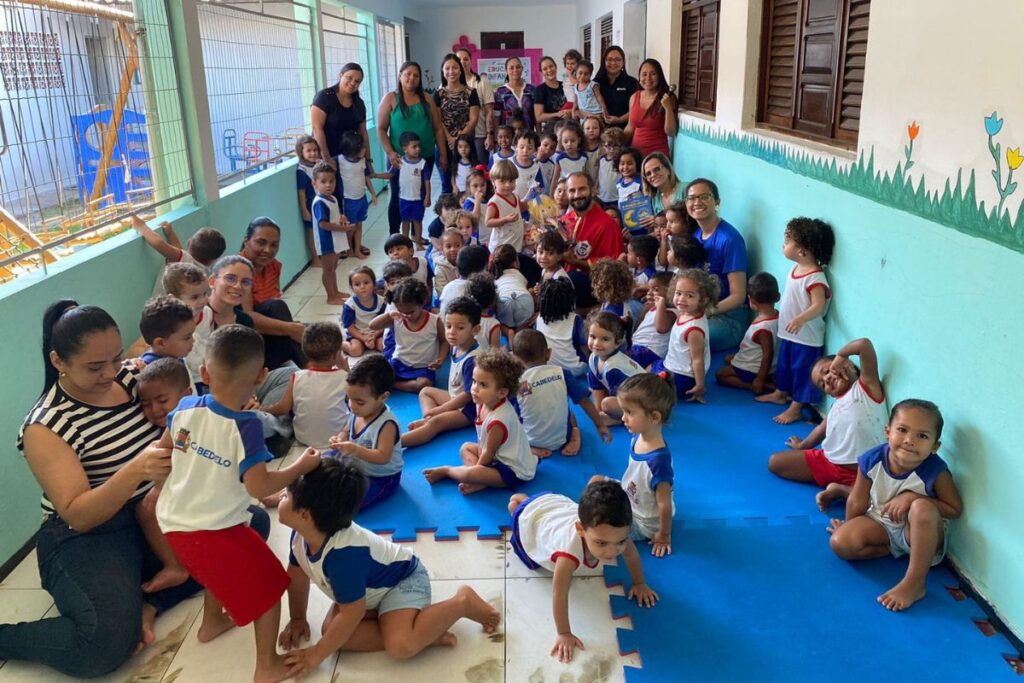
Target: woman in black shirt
(616,86)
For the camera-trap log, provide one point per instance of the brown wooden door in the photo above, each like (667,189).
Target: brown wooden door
(501,40)
(819,61)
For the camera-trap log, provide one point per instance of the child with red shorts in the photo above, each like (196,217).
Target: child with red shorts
(218,461)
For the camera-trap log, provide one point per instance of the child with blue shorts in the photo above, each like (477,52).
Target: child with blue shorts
(330,230)
(753,365)
(805,300)
(413,187)
(420,345)
(361,573)
(355,174)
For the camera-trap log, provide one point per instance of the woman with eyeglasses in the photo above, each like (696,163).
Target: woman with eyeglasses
(652,111)
(261,296)
(727,259)
(617,86)
(660,184)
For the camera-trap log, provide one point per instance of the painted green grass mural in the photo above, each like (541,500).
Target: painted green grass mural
(956,205)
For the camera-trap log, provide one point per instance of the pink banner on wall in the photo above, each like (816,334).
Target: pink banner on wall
(491,64)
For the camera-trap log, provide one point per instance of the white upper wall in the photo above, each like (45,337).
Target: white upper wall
(436,30)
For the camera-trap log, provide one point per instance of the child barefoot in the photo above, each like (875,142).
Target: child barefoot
(751,367)
(900,501)
(608,366)
(413,187)
(501,457)
(647,402)
(694,294)
(856,421)
(316,394)
(562,326)
(330,230)
(805,300)
(552,533)
(420,346)
(355,174)
(359,310)
(451,408)
(362,573)
(218,460)
(307,151)
(544,393)
(371,433)
(649,345)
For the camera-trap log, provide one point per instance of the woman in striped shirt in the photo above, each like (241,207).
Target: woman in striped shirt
(94,454)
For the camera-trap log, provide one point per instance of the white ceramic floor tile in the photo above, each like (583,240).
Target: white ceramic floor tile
(467,558)
(23,604)
(528,615)
(25,575)
(477,658)
(308,284)
(148,666)
(318,306)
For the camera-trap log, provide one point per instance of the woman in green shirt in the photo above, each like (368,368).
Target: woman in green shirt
(408,108)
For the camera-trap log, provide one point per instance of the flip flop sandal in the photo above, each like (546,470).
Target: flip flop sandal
(364,251)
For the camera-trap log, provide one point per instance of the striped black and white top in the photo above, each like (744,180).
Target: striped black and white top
(104,439)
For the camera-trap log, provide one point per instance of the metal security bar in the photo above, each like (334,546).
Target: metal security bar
(346,39)
(259,65)
(90,125)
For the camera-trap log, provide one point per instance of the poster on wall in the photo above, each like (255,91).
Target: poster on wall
(491,64)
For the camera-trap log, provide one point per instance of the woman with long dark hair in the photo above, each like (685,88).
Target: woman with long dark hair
(459,107)
(617,86)
(338,109)
(652,111)
(483,136)
(409,109)
(515,98)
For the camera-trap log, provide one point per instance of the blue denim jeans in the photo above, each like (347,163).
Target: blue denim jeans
(727,329)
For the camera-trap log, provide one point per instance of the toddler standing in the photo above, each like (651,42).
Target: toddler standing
(330,230)
(413,187)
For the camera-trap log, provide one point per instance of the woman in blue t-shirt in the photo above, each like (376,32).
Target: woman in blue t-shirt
(727,259)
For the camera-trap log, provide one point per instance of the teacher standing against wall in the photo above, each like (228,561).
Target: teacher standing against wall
(409,109)
(484,133)
(652,111)
(339,109)
(459,107)
(617,86)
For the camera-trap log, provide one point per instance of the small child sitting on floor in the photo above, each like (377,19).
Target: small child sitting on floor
(443,260)
(647,403)
(562,326)
(649,345)
(515,303)
(753,365)
(855,422)
(482,290)
(544,393)
(608,366)
(420,346)
(400,248)
(359,310)
(694,293)
(371,433)
(362,573)
(552,533)
(501,457)
(472,259)
(316,395)
(900,501)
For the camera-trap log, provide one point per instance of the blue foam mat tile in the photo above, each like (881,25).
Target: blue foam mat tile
(773,603)
(628,642)
(418,506)
(619,605)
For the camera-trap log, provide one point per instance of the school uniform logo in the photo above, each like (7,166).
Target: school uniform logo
(181,440)
(582,250)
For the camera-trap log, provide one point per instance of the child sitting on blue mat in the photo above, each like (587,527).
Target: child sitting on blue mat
(900,501)
(551,532)
(501,457)
(608,365)
(371,432)
(361,573)
(451,408)
(419,344)
(544,393)
(647,403)
(753,365)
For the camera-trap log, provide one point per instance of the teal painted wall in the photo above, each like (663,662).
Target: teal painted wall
(939,306)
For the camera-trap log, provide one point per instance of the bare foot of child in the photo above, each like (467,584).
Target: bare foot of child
(147,636)
(776,396)
(541,453)
(447,639)
(831,494)
(336,300)
(435,474)
(466,489)
(214,626)
(416,424)
(788,416)
(572,446)
(479,610)
(174,575)
(902,595)
(274,672)
(610,421)
(271,501)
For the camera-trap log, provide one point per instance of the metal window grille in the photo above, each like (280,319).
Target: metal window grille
(388,52)
(346,39)
(259,65)
(90,126)
(586,41)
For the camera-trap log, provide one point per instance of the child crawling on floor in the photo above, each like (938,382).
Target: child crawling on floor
(900,502)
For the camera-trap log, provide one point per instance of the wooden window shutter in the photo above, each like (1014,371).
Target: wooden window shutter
(606,34)
(852,84)
(586,41)
(699,54)
(690,57)
(778,80)
(820,44)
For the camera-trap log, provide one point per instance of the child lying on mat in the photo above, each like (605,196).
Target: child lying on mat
(552,533)
(360,572)
(900,501)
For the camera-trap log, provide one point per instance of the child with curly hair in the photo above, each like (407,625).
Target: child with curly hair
(694,293)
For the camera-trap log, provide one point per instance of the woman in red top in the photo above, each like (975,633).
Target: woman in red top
(271,315)
(652,111)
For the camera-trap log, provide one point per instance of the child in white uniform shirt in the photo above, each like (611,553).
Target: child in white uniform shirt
(752,366)
(649,345)
(355,174)
(218,460)
(694,294)
(608,366)
(362,307)
(330,230)
(413,187)
(562,326)
(420,346)
(551,533)
(501,457)
(360,571)
(504,210)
